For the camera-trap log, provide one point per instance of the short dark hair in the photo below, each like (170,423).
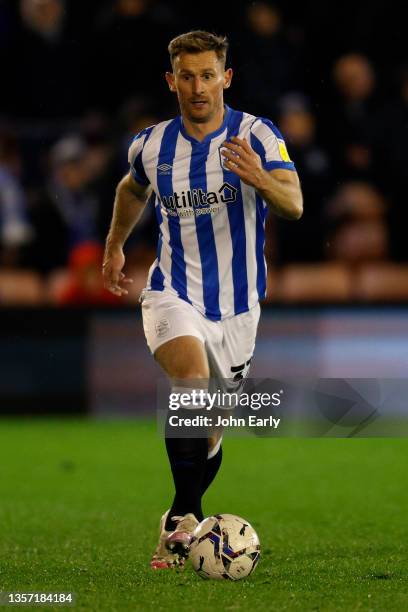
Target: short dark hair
(198,41)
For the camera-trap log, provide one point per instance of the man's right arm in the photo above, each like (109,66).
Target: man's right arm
(130,200)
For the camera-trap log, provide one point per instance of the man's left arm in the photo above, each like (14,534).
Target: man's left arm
(279,188)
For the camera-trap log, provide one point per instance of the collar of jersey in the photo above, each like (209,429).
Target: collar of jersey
(196,142)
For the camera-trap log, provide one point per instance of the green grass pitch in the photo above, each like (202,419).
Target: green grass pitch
(80,503)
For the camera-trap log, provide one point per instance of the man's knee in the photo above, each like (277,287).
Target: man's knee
(183,358)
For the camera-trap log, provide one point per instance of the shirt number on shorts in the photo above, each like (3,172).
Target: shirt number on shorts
(241,371)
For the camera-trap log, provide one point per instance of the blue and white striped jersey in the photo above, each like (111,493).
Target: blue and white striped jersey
(212,225)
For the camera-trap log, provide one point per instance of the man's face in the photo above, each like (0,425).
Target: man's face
(199,79)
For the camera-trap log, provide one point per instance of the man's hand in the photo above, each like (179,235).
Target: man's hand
(130,201)
(113,262)
(241,159)
(279,188)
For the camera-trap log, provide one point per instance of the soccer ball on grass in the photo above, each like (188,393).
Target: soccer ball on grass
(224,546)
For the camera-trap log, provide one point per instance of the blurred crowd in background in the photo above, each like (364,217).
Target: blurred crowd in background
(79,80)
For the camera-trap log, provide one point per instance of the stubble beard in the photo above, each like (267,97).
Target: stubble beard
(204,118)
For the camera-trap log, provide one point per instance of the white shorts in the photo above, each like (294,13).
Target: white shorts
(229,344)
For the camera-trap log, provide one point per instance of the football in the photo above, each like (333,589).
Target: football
(224,546)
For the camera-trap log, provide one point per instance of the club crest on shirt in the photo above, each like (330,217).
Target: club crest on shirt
(221,150)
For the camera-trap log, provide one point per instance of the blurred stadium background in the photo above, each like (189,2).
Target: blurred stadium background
(80,79)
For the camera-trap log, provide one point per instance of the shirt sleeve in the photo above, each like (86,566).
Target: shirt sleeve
(135,157)
(268,142)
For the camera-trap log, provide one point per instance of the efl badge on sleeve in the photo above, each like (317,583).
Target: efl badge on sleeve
(283,150)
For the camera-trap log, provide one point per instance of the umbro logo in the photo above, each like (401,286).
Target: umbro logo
(164,168)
